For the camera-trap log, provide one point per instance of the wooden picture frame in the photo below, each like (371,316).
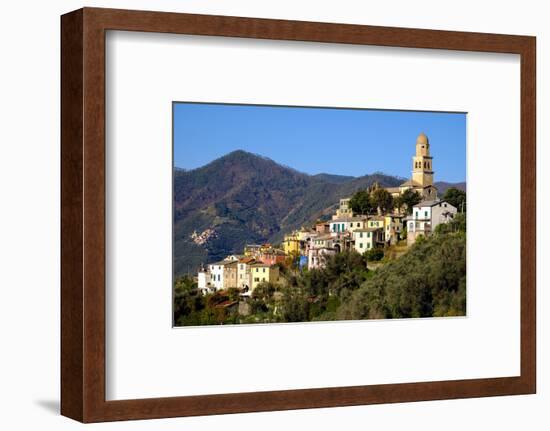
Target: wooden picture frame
(83,214)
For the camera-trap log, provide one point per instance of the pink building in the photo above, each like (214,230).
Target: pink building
(271,257)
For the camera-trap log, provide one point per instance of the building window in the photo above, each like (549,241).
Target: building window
(425,214)
(361,235)
(360,245)
(264,270)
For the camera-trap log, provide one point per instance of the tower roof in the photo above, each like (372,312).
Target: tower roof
(422,139)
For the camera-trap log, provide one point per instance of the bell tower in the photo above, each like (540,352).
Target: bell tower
(422,162)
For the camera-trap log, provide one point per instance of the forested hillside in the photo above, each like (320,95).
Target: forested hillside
(429,280)
(245,198)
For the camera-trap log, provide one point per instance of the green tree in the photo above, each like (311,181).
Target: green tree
(295,307)
(382,199)
(188,302)
(408,199)
(456,198)
(458,224)
(361,202)
(374,254)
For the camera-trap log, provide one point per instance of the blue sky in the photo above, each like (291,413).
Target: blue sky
(315,140)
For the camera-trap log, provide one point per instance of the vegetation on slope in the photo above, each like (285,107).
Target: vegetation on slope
(429,280)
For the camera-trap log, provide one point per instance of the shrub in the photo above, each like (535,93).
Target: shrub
(374,254)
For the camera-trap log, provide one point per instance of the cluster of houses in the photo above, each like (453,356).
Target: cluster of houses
(203,237)
(245,272)
(311,247)
(344,232)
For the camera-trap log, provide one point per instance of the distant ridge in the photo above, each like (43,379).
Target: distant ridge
(332,178)
(442,186)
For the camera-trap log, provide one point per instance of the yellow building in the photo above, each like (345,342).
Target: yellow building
(263,273)
(304,234)
(291,244)
(376,222)
(422,162)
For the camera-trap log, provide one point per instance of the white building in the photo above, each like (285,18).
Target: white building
(365,239)
(232,258)
(317,256)
(426,216)
(346,224)
(204,281)
(216,274)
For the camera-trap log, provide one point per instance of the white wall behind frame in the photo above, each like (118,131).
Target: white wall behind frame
(30,168)
(147,358)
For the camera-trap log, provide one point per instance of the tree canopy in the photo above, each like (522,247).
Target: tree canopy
(408,199)
(456,198)
(382,199)
(430,280)
(361,203)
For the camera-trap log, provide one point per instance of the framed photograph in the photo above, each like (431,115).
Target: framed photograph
(268,215)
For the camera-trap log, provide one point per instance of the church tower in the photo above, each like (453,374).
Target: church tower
(422,162)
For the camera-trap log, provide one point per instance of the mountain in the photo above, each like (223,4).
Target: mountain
(244,198)
(334,179)
(442,187)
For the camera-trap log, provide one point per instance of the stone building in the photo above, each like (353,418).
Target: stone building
(426,216)
(230,274)
(422,180)
(344,210)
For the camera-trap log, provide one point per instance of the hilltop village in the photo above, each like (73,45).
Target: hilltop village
(374,228)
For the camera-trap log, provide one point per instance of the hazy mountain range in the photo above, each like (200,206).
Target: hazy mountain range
(244,198)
